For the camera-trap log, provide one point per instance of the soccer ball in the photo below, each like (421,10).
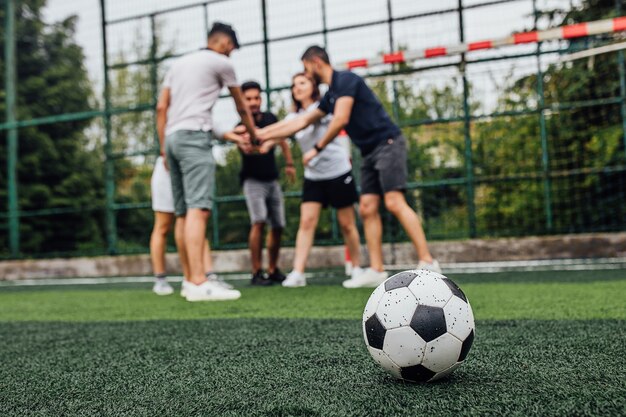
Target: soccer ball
(418,325)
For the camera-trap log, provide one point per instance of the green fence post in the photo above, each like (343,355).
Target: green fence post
(154,80)
(622,80)
(268,88)
(334,227)
(111,223)
(205,15)
(545,155)
(216,221)
(622,93)
(469,162)
(10,83)
(324,24)
(395,106)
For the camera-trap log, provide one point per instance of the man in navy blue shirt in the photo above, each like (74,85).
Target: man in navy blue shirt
(384,170)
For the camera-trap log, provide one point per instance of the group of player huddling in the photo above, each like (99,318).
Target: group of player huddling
(184,174)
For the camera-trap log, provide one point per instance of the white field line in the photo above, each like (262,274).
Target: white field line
(456,268)
(528,266)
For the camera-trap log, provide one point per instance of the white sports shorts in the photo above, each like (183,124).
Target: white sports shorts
(161,188)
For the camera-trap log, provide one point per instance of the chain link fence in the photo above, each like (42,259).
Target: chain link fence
(513,141)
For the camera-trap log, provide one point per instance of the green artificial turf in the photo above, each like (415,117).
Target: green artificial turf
(303,367)
(510,297)
(546,344)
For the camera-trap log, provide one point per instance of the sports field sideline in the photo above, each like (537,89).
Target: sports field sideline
(547,343)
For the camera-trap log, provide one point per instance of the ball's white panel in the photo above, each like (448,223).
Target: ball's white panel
(459,320)
(426,273)
(383,360)
(429,289)
(396,308)
(364,333)
(471,312)
(446,372)
(442,353)
(404,347)
(372,302)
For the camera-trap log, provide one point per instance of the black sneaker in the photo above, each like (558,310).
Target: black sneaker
(277,276)
(260,278)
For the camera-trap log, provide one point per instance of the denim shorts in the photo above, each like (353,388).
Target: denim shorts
(385,168)
(192,169)
(265,202)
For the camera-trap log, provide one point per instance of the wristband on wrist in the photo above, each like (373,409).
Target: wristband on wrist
(318,148)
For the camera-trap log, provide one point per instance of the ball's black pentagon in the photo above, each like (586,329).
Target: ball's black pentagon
(467,344)
(455,289)
(429,322)
(375,332)
(417,373)
(399,280)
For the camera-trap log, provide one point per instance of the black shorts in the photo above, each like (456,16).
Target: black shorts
(384,169)
(337,192)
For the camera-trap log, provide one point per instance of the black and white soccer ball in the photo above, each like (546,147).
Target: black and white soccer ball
(418,325)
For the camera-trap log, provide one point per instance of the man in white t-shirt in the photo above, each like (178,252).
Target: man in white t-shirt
(184,123)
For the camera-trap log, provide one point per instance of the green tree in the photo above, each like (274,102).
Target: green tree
(435,151)
(585,143)
(55,167)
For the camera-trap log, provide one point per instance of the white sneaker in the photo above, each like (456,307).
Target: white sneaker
(295,279)
(429,266)
(162,287)
(365,278)
(356,271)
(216,279)
(209,291)
(183,288)
(348,268)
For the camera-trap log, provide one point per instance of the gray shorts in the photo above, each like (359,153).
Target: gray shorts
(192,169)
(265,202)
(384,169)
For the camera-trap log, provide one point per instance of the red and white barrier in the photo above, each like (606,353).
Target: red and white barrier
(564,32)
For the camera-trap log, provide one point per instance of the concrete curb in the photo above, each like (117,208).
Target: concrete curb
(600,245)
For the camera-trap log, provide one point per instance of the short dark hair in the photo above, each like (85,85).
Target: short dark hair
(250,85)
(315,51)
(223,28)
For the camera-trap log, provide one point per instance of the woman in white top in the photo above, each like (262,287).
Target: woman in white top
(327,181)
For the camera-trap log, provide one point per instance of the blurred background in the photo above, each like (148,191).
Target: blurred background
(508,142)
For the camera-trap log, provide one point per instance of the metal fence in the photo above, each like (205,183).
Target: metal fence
(502,142)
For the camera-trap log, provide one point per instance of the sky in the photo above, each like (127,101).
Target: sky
(184,31)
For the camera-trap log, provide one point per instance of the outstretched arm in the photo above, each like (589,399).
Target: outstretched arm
(238,136)
(234,138)
(244,112)
(287,128)
(341,117)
